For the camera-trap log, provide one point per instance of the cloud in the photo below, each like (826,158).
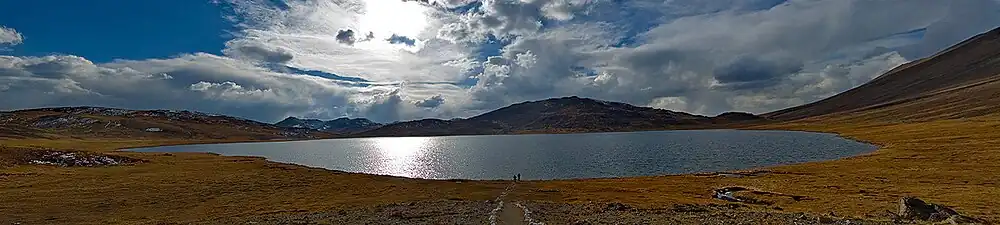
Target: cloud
(753,73)
(328,59)
(396,39)
(255,52)
(9,36)
(346,36)
(200,82)
(432,102)
(503,18)
(712,57)
(230,91)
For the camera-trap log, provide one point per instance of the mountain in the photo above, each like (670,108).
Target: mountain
(293,122)
(99,122)
(735,117)
(558,115)
(340,125)
(960,82)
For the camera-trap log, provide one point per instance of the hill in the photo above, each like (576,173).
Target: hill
(339,125)
(560,115)
(959,82)
(99,122)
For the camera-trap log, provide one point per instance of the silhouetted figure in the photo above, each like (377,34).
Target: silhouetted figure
(519,177)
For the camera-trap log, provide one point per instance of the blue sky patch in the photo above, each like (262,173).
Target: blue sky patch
(102,31)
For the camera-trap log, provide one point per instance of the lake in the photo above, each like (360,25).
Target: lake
(550,156)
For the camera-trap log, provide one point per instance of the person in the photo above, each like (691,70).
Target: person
(518,177)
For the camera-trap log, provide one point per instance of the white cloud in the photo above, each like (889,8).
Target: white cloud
(9,36)
(310,30)
(201,82)
(771,52)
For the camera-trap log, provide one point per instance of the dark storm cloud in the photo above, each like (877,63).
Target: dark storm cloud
(432,102)
(346,36)
(397,39)
(753,73)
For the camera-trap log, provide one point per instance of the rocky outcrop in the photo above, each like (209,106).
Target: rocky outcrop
(911,208)
(32,156)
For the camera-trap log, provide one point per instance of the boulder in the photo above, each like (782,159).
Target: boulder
(915,209)
(912,208)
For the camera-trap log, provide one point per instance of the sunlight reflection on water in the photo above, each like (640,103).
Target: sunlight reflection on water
(549,156)
(399,156)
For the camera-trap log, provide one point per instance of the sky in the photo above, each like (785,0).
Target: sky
(394,60)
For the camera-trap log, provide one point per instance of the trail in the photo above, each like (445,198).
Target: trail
(509,212)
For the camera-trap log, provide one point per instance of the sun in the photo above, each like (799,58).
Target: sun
(387,17)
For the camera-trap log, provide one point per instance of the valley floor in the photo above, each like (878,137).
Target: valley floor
(948,162)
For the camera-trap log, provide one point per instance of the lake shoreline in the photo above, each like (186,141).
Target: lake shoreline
(752,139)
(254,179)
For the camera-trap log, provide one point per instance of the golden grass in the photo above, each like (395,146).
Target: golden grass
(193,187)
(951,162)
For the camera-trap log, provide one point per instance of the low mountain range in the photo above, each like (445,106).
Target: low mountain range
(100,122)
(340,125)
(561,115)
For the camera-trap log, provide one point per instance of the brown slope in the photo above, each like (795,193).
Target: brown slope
(961,81)
(583,113)
(99,122)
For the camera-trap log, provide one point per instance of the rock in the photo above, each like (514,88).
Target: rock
(957,219)
(942,213)
(825,220)
(616,206)
(726,193)
(912,208)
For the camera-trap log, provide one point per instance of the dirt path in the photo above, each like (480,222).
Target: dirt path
(507,212)
(510,214)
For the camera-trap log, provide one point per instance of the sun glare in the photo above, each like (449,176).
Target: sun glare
(387,17)
(400,147)
(399,155)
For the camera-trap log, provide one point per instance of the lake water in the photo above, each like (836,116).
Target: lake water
(550,156)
